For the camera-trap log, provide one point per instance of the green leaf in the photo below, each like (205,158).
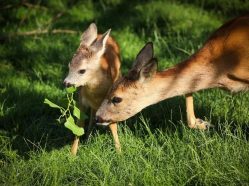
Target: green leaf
(74,102)
(51,104)
(71,89)
(76,112)
(70,124)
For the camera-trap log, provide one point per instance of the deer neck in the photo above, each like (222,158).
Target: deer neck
(189,76)
(98,82)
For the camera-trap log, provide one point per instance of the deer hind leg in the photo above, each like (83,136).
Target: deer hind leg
(238,82)
(114,130)
(194,122)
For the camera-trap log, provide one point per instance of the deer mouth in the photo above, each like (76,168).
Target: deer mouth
(68,84)
(103,124)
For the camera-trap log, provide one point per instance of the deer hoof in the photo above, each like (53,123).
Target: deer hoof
(201,124)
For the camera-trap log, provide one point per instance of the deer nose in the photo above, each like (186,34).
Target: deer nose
(67,84)
(98,119)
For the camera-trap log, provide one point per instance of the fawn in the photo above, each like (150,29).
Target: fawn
(222,62)
(94,68)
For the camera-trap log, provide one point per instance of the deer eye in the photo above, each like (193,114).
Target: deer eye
(116,100)
(82,71)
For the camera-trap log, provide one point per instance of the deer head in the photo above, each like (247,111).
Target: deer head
(131,93)
(86,61)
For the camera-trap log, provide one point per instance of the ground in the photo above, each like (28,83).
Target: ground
(157,146)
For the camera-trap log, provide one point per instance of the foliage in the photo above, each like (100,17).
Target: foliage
(67,114)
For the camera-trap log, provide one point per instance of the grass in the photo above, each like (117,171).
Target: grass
(157,146)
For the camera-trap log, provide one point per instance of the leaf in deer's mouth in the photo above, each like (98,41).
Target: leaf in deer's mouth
(71,89)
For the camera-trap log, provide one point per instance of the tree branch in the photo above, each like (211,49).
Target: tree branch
(45,31)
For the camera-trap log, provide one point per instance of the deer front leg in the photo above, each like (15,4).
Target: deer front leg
(90,125)
(80,123)
(114,130)
(194,122)
(75,144)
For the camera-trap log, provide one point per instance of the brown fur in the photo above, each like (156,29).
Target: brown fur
(222,62)
(95,93)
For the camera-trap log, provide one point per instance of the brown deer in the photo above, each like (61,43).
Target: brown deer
(94,68)
(222,62)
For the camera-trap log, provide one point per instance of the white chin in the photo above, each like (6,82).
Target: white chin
(103,124)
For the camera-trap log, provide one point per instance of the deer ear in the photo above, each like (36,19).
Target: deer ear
(148,70)
(144,56)
(144,63)
(89,35)
(100,44)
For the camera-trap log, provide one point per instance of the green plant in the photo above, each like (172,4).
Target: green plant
(68,113)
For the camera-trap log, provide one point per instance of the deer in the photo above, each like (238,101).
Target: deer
(222,62)
(95,66)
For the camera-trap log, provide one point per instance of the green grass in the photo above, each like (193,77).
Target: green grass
(157,146)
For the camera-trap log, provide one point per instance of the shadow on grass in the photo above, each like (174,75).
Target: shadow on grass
(30,124)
